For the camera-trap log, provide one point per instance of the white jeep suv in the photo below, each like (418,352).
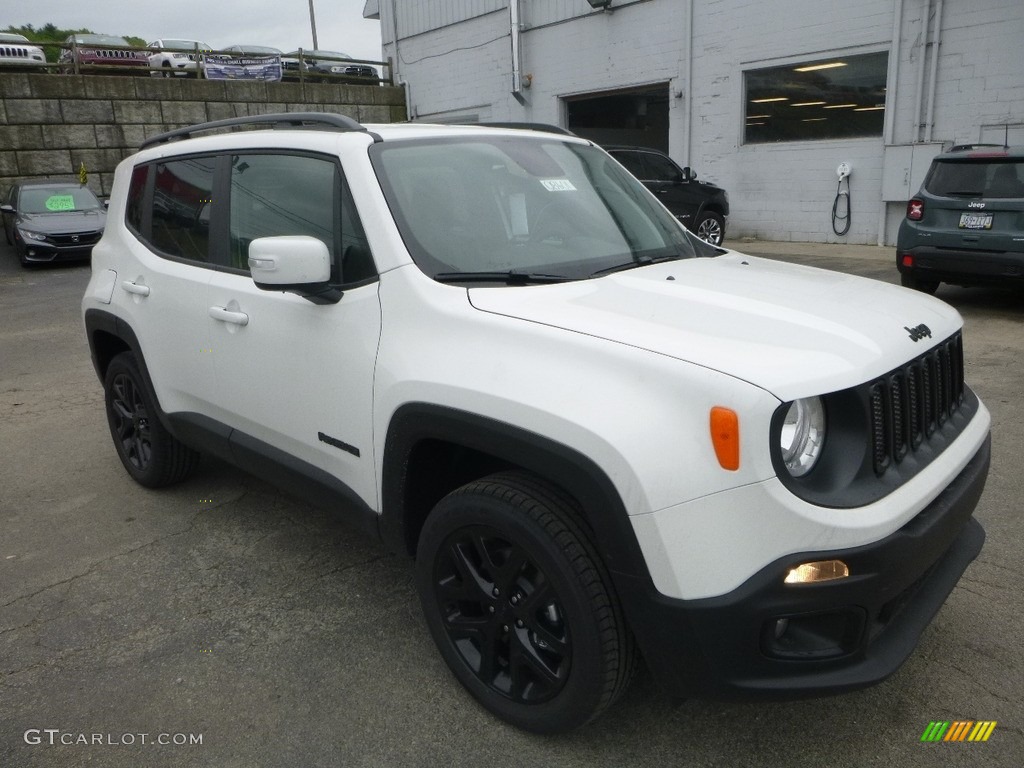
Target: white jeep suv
(599,437)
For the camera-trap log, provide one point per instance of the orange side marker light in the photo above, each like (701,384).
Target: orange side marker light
(725,436)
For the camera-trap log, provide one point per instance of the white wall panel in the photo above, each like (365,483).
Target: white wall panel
(458,62)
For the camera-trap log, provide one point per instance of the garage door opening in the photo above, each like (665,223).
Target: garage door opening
(637,117)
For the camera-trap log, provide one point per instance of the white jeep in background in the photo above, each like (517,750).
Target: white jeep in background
(176,57)
(599,437)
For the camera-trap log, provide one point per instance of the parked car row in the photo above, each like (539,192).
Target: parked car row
(183,57)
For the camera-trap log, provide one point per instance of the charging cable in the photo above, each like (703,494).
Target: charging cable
(841,217)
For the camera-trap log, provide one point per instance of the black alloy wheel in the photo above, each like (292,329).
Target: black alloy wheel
(520,604)
(130,422)
(502,614)
(149,453)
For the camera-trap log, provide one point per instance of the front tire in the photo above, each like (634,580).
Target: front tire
(710,227)
(151,455)
(520,605)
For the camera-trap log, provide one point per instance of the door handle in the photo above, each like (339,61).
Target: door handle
(138,290)
(226,315)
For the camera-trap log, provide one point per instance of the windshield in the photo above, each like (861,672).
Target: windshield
(983,177)
(261,50)
(101,40)
(526,205)
(57,199)
(185,44)
(10,37)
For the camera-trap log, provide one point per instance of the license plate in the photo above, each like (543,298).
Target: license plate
(975,221)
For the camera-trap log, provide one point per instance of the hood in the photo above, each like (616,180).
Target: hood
(794,331)
(60,223)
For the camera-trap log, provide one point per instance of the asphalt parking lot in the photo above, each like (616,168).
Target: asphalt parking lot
(220,609)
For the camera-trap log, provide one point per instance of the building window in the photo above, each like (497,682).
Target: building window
(836,98)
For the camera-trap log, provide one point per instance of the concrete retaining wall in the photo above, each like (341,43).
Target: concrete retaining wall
(52,124)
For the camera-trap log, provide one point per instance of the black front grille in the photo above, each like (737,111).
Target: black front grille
(16,53)
(116,54)
(909,404)
(72,239)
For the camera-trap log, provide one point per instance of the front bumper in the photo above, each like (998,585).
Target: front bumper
(35,251)
(840,635)
(949,265)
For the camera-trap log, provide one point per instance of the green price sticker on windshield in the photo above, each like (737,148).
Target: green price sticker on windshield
(60,203)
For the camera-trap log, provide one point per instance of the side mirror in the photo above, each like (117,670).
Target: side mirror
(689,174)
(290,263)
(7,208)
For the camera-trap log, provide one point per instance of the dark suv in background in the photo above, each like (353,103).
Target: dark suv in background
(700,206)
(966,225)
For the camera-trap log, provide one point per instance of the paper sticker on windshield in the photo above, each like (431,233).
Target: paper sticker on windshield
(60,203)
(558,185)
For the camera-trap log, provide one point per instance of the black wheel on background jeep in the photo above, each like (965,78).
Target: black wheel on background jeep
(152,456)
(520,605)
(907,280)
(710,227)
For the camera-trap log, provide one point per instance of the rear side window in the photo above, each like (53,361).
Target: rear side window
(182,197)
(988,177)
(136,196)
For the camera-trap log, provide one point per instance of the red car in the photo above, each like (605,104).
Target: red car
(84,51)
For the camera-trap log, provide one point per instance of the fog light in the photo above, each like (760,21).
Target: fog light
(820,570)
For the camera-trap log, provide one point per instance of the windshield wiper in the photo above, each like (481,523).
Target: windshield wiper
(509,276)
(638,261)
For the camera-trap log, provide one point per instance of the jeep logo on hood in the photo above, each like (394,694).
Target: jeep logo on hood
(975,204)
(918,332)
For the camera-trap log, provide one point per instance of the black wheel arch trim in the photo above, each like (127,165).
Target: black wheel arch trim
(101,321)
(568,468)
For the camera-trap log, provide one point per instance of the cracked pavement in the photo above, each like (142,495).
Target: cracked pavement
(284,637)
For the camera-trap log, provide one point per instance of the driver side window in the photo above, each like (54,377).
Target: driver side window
(282,194)
(661,168)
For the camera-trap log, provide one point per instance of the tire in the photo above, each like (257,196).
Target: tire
(907,280)
(521,606)
(150,454)
(710,227)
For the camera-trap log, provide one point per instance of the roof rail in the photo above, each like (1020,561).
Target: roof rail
(964,147)
(545,127)
(325,120)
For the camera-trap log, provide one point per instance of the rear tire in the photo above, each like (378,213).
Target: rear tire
(907,280)
(151,455)
(520,605)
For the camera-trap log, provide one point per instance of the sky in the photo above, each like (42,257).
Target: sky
(283,24)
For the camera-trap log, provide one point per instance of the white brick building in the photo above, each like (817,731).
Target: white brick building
(683,74)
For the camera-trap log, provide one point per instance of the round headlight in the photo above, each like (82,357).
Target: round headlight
(803,435)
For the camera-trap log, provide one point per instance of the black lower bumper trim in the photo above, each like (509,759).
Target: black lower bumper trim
(835,636)
(954,266)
